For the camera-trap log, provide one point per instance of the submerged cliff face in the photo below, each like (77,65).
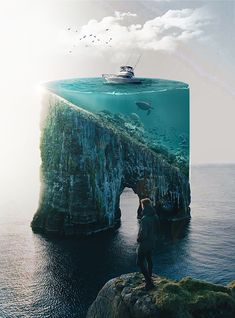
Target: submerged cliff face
(86,164)
(125,296)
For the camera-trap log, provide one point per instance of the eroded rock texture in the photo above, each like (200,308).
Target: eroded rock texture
(125,296)
(86,164)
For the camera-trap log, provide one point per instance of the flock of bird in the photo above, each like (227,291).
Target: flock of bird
(92,39)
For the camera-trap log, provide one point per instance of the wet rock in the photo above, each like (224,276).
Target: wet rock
(125,296)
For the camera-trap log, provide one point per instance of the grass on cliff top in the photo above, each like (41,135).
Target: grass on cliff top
(185,298)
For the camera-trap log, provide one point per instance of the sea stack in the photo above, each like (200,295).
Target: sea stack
(96,143)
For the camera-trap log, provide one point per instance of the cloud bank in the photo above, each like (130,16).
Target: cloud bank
(164,32)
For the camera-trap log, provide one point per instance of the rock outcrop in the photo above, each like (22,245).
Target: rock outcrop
(125,297)
(86,164)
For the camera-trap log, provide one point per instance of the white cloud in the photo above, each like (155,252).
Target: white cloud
(161,33)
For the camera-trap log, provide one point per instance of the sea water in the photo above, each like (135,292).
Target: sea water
(155,112)
(59,278)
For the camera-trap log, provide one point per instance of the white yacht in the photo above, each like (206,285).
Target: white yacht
(125,75)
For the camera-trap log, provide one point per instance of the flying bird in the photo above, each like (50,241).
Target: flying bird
(106,29)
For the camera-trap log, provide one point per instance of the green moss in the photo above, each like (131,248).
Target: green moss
(193,285)
(187,298)
(232,285)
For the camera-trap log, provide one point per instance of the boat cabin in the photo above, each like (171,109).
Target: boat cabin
(126,71)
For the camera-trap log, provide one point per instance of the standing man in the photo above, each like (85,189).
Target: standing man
(147,235)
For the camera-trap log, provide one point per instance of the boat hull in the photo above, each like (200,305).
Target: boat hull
(119,80)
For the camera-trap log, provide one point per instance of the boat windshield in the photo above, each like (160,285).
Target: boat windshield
(126,68)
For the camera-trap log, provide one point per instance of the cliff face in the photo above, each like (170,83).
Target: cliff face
(86,164)
(125,296)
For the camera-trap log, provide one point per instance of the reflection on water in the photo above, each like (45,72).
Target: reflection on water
(173,231)
(59,278)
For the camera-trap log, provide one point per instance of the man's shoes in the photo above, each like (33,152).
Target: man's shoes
(149,285)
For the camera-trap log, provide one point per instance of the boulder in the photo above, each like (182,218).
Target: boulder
(126,297)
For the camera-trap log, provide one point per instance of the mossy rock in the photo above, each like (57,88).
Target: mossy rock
(126,296)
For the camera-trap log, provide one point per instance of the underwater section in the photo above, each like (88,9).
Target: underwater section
(98,139)
(155,112)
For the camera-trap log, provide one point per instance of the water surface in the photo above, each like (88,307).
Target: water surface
(42,277)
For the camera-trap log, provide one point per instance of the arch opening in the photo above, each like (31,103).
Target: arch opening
(129,204)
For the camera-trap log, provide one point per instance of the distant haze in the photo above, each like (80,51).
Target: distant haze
(189,41)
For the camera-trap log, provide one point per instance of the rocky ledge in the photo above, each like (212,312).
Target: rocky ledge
(125,297)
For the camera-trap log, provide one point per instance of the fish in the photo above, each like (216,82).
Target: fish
(134,117)
(144,106)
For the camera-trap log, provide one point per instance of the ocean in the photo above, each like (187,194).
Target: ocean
(47,277)
(155,112)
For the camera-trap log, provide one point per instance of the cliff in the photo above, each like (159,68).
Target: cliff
(87,161)
(125,296)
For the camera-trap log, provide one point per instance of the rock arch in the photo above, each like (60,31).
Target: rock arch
(87,163)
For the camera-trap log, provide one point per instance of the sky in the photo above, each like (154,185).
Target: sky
(189,41)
